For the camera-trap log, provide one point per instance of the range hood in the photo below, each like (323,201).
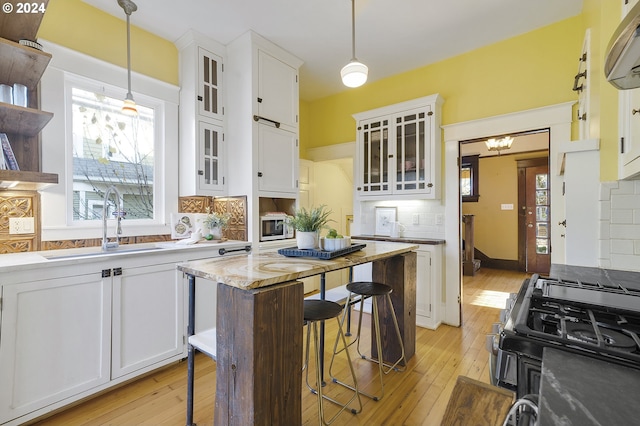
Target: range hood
(622,63)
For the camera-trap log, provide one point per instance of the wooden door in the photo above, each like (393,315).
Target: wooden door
(536,219)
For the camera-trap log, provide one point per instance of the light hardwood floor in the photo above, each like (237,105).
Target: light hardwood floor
(417,396)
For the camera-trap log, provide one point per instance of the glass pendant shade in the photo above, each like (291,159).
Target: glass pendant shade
(354,74)
(129,106)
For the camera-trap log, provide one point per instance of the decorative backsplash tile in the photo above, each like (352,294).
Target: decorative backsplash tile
(620,225)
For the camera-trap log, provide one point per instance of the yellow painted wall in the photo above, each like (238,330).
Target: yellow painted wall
(495,229)
(532,70)
(86,29)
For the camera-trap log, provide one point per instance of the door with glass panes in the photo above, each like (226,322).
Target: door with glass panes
(210,170)
(395,154)
(537,217)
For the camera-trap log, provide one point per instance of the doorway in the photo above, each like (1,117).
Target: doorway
(534,235)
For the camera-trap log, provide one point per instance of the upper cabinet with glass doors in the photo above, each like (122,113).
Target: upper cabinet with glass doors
(202,123)
(398,150)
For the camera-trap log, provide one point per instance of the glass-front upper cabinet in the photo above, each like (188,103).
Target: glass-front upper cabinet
(375,153)
(398,150)
(210,83)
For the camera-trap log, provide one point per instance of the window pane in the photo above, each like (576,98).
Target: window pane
(110,148)
(465,181)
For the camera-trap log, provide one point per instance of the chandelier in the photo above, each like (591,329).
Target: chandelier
(499,144)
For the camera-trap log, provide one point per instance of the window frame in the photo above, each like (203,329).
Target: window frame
(473,162)
(57,146)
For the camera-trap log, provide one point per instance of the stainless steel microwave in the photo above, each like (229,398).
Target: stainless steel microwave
(274,227)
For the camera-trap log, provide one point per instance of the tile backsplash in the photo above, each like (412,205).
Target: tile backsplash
(429,214)
(620,225)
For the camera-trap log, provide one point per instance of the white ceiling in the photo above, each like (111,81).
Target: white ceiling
(392,36)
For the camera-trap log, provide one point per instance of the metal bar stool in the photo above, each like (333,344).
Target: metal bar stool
(317,311)
(363,290)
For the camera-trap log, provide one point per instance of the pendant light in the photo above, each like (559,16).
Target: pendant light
(129,105)
(354,74)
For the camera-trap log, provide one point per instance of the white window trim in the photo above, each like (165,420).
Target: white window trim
(68,65)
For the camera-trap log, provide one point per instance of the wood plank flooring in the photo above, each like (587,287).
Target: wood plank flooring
(417,396)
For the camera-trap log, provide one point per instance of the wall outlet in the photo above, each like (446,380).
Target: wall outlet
(21,225)
(439,219)
(506,206)
(416,219)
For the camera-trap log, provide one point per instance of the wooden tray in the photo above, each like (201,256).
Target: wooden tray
(320,254)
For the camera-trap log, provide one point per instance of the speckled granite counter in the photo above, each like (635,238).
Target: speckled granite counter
(606,277)
(407,240)
(582,391)
(267,267)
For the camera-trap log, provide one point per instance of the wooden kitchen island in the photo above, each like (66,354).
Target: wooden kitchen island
(260,324)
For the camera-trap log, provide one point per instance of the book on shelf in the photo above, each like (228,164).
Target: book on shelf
(9,157)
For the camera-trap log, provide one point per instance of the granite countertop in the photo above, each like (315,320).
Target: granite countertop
(266,267)
(408,240)
(605,277)
(582,391)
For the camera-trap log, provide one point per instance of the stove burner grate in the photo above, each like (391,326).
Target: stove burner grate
(599,336)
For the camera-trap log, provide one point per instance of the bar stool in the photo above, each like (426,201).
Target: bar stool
(377,291)
(316,311)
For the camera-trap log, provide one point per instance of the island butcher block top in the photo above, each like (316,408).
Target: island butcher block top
(267,267)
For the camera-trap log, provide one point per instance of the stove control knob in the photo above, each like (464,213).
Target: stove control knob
(491,343)
(503,315)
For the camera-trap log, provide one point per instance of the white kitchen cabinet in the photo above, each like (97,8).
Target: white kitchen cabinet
(202,120)
(148,317)
(277,160)
(429,266)
(398,151)
(629,124)
(262,135)
(277,91)
(55,341)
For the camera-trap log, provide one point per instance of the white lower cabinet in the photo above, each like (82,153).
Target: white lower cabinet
(429,266)
(55,341)
(81,329)
(148,308)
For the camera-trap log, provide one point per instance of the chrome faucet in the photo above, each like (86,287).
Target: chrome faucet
(106,245)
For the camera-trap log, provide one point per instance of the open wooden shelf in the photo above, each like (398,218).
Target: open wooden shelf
(21,64)
(17,26)
(25,121)
(25,180)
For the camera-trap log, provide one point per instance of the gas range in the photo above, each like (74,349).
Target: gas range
(588,318)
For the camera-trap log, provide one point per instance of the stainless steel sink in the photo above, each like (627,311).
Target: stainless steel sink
(97,251)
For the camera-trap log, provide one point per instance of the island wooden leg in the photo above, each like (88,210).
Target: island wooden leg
(400,273)
(259,355)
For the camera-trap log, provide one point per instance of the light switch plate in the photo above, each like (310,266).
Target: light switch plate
(21,225)
(506,207)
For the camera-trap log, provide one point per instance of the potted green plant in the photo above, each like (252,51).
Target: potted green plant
(308,223)
(213,224)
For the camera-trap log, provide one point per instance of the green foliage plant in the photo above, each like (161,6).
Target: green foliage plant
(312,220)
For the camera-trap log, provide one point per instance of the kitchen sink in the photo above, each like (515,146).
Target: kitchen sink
(97,251)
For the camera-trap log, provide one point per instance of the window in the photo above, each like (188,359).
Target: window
(90,146)
(469,181)
(110,148)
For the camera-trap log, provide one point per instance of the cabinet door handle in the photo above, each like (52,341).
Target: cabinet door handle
(258,118)
(117,272)
(106,273)
(199,98)
(635,111)
(578,76)
(259,174)
(200,172)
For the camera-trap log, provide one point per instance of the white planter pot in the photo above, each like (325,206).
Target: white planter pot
(306,240)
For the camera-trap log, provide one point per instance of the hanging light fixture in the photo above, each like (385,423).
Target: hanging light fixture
(129,105)
(354,74)
(499,144)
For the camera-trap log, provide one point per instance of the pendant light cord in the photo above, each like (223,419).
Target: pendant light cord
(353,30)
(129,56)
